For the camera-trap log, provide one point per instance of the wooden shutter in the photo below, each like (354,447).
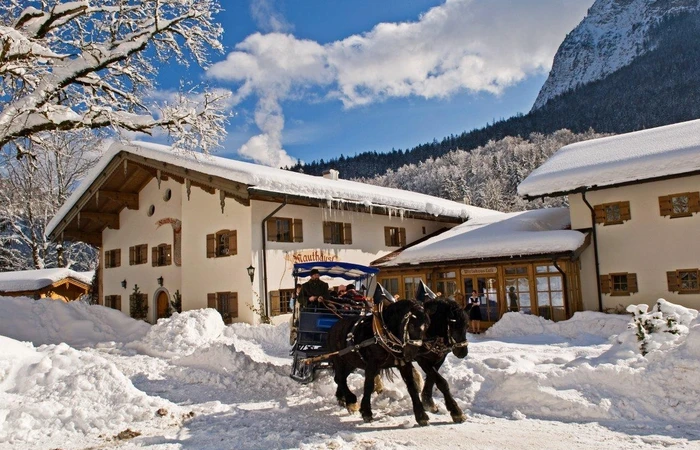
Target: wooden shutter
(275,303)
(632,282)
(154,256)
(233,242)
(327,239)
(168,254)
(117,257)
(625,212)
(132,256)
(298,231)
(347,233)
(117,302)
(211,246)
(402,237)
(233,304)
(673,282)
(665,206)
(605,284)
(211,301)
(387,236)
(599,213)
(272,230)
(108,262)
(694,201)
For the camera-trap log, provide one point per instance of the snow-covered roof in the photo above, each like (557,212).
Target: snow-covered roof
(269,179)
(642,155)
(536,232)
(31,280)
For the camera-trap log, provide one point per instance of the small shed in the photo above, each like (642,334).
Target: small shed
(59,284)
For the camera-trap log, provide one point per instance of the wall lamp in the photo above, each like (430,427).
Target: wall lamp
(160,280)
(124,283)
(251,273)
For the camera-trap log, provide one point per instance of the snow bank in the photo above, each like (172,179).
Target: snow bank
(582,324)
(75,323)
(58,391)
(262,343)
(181,334)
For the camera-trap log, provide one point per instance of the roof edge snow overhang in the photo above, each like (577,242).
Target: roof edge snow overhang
(348,205)
(572,255)
(596,187)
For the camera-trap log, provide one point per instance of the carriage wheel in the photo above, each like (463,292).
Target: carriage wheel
(302,372)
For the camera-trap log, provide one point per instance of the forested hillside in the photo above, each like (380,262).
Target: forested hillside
(658,88)
(486,176)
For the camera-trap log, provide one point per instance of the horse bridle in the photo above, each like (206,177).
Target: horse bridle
(438,346)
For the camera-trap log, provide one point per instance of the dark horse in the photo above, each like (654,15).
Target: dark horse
(407,322)
(447,332)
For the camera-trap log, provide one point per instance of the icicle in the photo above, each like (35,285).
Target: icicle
(188,186)
(222,200)
(158,177)
(126,164)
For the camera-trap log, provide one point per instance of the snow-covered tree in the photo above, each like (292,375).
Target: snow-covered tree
(32,190)
(91,64)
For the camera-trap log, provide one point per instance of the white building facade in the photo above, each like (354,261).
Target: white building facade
(196,227)
(639,194)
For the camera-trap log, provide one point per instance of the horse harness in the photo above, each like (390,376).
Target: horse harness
(440,347)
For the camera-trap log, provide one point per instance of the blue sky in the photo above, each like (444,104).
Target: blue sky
(314,79)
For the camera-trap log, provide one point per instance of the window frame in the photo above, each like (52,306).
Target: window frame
(161,255)
(695,290)
(337,233)
(112,258)
(294,230)
(395,239)
(601,212)
(666,207)
(283,296)
(139,255)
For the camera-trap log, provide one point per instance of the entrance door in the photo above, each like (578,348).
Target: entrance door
(162,305)
(485,286)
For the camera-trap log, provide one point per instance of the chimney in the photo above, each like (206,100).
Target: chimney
(331,174)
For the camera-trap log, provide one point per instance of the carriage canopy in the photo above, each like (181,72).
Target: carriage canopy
(347,271)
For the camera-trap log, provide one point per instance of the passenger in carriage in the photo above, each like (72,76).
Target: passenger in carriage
(314,291)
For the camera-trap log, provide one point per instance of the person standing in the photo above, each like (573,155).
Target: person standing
(475,312)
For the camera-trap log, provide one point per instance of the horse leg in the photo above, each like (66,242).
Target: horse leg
(427,392)
(378,384)
(371,371)
(343,393)
(452,406)
(406,371)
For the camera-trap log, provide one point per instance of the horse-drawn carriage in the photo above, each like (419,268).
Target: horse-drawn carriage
(311,323)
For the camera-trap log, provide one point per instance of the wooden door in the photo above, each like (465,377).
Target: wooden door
(162,305)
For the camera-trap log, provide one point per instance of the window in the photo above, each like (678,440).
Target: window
(619,284)
(612,213)
(167,195)
(138,254)
(410,284)
(151,210)
(447,283)
(113,258)
(684,281)
(114,302)
(550,293)
(222,243)
(280,229)
(679,205)
(337,233)
(226,303)
(394,237)
(391,285)
(161,255)
(280,301)
(517,288)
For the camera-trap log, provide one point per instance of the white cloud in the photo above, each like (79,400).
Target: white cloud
(267,18)
(462,45)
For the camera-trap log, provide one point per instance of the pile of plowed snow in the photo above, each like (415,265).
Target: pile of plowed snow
(56,390)
(181,334)
(582,324)
(75,323)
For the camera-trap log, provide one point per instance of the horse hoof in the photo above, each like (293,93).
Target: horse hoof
(367,419)
(352,407)
(459,418)
(430,406)
(341,402)
(423,423)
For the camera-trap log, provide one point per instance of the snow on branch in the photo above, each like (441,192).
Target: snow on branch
(68,65)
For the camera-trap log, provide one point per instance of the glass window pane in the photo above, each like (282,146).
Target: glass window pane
(523,285)
(541,269)
(524,300)
(555,283)
(557,299)
(542,283)
(543,298)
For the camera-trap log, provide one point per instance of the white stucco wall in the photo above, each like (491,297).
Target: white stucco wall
(367,238)
(135,228)
(201,215)
(648,244)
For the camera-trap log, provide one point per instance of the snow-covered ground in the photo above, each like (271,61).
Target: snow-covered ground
(191,382)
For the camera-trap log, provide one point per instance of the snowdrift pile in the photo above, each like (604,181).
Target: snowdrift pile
(57,391)
(582,325)
(75,323)
(181,334)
